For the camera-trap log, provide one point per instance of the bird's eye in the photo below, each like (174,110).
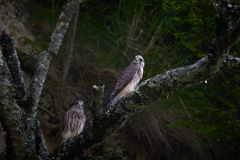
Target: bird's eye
(141,59)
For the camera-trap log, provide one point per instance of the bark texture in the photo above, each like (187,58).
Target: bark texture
(46,56)
(11,117)
(10,54)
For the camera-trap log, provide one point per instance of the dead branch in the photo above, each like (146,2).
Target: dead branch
(47,111)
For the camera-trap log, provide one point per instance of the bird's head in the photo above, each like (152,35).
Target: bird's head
(79,104)
(139,60)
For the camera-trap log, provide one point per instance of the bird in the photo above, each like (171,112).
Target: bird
(127,82)
(73,121)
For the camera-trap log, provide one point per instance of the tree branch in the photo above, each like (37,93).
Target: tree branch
(40,143)
(96,105)
(10,54)
(46,126)
(46,56)
(213,5)
(47,111)
(11,117)
(160,86)
(66,65)
(226,35)
(235,32)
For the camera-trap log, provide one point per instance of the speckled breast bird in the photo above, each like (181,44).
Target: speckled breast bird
(127,82)
(73,121)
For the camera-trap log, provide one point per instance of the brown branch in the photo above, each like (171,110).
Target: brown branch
(47,111)
(155,35)
(213,5)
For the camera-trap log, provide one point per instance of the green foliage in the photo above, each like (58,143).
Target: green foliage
(214,109)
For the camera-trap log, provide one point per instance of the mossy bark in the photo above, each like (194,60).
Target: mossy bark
(20,132)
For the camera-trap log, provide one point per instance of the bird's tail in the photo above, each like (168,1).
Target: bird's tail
(110,107)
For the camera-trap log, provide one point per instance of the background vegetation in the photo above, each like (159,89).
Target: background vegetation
(168,34)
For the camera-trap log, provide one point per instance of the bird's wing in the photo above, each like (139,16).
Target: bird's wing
(127,75)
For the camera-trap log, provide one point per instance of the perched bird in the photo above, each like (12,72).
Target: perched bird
(73,121)
(127,82)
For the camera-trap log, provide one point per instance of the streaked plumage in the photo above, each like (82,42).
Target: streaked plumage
(127,82)
(73,121)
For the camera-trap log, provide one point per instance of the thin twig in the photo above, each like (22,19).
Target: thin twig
(47,111)
(213,5)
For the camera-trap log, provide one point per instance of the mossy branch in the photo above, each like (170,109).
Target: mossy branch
(40,143)
(10,54)
(46,55)
(226,34)
(11,117)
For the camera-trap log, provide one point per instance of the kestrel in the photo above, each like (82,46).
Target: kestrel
(73,121)
(127,82)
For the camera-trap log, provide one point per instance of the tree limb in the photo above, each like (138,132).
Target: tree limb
(46,126)
(160,86)
(66,65)
(46,56)
(11,117)
(47,111)
(213,5)
(226,35)
(40,143)
(10,54)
